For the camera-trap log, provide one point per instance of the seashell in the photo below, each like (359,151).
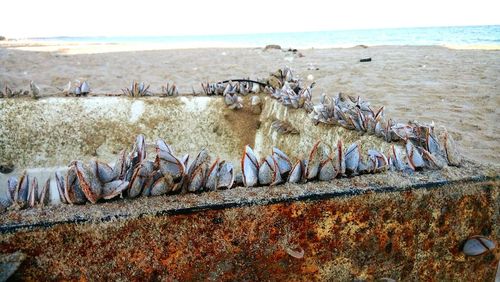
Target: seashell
(33,193)
(415,159)
(365,167)
(138,151)
(185,160)
(85,87)
(140,178)
(450,148)
(162,185)
(45,194)
(226,175)
(284,127)
(432,143)
(153,177)
(284,163)
(295,253)
(89,183)
(78,90)
(120,168)
(196,179)
(169,90)
(102,170)
(296,174)
(11,188)
(249,167)
(397,159)
(327,170)
(213,176)
(432,161)
(35,90)
(379,128)
(169,164)
(61,188)
(319,153)
(198,170)
(352,158)
(378,159)
(201,160)
(269,172)
(478,245)
(113,189)
(220,176)
(162,146)
(22,190)
(67,90)
(136,89)
(73,192)
(340,159)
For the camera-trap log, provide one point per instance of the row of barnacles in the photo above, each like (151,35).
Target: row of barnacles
(134,175)
(355,113)
(77,88)
(239,86)
(8,92)
(231,90)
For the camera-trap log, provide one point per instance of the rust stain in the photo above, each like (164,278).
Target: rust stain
(398,235)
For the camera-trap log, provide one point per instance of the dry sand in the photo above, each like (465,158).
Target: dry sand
(455,88)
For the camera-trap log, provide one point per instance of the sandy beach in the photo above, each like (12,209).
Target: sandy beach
(456,88)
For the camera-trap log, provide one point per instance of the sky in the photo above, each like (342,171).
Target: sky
(35,18)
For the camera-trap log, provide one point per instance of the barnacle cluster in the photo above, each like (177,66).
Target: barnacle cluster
(416,146)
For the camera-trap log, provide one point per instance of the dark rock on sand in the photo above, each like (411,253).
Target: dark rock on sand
(272,46)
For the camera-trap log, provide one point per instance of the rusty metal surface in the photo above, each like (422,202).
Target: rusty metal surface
(413,234)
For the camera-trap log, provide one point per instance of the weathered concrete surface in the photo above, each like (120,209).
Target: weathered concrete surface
(54,131)
(367,227)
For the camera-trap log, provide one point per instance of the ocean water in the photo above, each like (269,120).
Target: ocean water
(459,35)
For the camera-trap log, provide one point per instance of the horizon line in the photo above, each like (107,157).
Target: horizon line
(247,33)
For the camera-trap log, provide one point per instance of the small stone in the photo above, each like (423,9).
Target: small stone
(6,168)
(272,46)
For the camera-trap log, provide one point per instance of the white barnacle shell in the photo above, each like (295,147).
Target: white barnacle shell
(85,87)
(478,245)
(88,181)
(33,193)
(296,174)
(396,158)
(113,189)
(226,175)
(284,163)
(162,185)
(415,159)
(352,158)
(269,172)
(213,176)
(327,170)
(319,153)
(170,164)
(249,167)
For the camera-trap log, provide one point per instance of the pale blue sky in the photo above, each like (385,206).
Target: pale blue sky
(34,18)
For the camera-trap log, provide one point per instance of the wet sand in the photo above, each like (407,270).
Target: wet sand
(455,88)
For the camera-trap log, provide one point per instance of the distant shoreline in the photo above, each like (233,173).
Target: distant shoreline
(98,48)
(466,37)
